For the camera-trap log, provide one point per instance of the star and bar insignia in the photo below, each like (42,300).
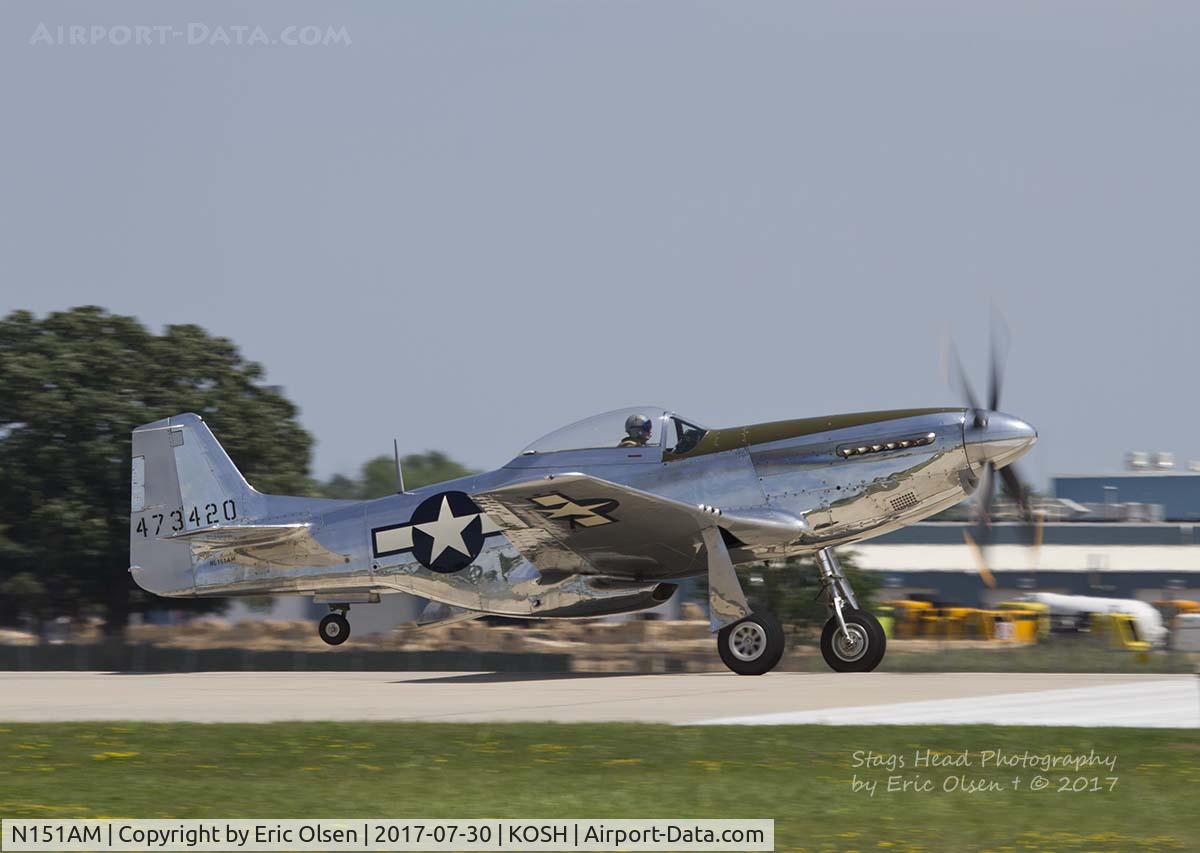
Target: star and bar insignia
(445,533)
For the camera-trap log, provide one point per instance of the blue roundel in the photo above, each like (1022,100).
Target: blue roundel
(447,532)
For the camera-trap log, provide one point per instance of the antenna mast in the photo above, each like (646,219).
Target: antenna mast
(399,473)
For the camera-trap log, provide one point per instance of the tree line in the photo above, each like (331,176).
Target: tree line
(73,385)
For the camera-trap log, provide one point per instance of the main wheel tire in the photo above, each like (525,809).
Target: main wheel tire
(334,629)
(751,646)
(865,654)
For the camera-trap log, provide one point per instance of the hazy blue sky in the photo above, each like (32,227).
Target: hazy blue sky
(478,221)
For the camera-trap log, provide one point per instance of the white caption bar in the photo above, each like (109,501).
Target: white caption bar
(348,836)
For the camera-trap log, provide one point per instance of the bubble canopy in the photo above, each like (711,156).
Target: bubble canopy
(608,430)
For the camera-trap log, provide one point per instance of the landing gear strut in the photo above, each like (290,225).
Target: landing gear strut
(335,628)
(852,640)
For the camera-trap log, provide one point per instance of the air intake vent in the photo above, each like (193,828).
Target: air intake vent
(904,502)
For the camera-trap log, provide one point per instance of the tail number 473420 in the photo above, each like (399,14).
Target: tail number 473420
(156,523)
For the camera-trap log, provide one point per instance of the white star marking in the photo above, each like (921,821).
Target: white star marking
(447,531)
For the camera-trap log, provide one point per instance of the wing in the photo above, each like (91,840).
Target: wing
(578,523)
(266,545)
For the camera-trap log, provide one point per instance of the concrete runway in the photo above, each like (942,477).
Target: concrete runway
(778,698)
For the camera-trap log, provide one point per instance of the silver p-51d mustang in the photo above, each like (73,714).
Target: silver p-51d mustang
(597,518)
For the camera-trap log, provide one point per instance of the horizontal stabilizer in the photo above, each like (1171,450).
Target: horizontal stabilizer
(243,534)
(266,545)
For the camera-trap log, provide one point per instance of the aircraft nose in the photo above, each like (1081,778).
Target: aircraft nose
(996,437)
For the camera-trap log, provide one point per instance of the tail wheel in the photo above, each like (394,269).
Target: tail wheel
(861,651)
(752,646)
(334,629)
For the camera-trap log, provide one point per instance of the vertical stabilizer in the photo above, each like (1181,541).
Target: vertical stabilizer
(182,480)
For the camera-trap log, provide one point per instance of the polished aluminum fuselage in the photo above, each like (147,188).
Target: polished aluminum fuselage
(816,475)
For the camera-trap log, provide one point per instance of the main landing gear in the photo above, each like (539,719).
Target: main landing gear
(852,640)
(752,646)
(752,643)
(335,628)
(749,643)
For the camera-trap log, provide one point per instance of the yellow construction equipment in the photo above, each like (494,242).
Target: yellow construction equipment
(1012,622)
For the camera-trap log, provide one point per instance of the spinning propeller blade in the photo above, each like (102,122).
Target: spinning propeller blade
(980,563)
(1009,479)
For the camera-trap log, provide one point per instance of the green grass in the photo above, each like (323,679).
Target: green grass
(798,775)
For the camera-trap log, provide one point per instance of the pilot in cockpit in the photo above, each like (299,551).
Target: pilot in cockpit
(637,431)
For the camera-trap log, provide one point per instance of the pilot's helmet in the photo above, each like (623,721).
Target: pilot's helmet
(638,426)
